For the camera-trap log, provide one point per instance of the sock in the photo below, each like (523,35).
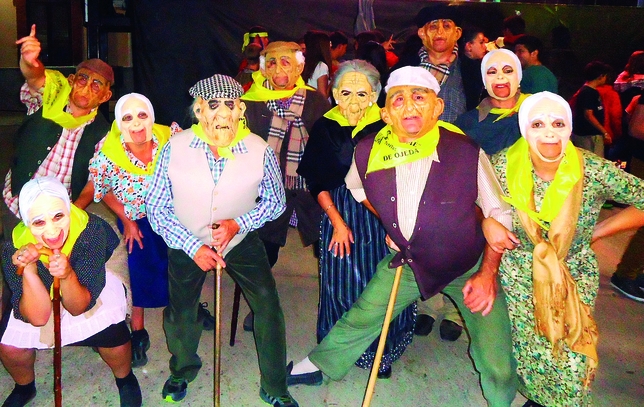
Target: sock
(305,366)
(129,379)
(25,388)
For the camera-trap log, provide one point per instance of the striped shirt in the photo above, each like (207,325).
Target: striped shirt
(160,207)
(60,159)
(411,179)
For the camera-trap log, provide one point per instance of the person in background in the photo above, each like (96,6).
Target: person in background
(318,61)
(536,76)
(588,130)
(352,239)
(339,44)
(281,109)
(472,49)
(251,56)
(628,278)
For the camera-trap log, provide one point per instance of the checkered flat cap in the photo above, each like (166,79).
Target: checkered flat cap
(217,86)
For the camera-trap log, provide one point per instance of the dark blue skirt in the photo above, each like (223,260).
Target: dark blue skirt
(343,279)
(148,268)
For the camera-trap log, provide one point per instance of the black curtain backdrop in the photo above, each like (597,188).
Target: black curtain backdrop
(175,43)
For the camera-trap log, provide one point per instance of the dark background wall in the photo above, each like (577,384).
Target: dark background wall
(177,42)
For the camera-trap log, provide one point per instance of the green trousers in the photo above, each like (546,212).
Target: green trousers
(246,263)
(490,346)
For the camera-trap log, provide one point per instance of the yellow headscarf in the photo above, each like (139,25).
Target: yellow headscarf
(372,115)
(226,152)
(21,234)
(388,151)
(55,99)
(259,93)
(520,182)
(113,149)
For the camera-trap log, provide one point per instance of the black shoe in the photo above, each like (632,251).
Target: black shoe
(385,374)
(424,325)
(206,317)
(309,379)
(640,280)
(140,345)
(19,398)
(285,400)
(248,322)
(130,394)
(450,330)
(629,288)
(175,389)
(531,403)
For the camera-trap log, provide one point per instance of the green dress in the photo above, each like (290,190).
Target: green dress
(543,379)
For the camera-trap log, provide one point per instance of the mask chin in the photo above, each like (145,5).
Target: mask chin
(550,160)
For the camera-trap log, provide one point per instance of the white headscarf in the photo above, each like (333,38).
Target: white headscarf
(509,53)
(37,186)
(532,100)
(118,109)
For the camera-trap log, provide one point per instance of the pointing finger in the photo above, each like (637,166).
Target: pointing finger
(32,33)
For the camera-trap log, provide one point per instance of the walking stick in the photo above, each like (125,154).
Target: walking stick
(383,338)
(58,391)
(217,375)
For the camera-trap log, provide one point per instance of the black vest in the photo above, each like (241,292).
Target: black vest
(36,138)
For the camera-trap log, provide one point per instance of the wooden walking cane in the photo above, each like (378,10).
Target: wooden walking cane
(58,391)
(383,338)
(217,375)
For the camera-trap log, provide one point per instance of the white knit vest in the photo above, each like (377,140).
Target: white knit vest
(198,202)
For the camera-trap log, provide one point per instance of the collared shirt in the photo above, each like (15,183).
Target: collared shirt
(60,159)
(160,207)
(130,189)
(411,179)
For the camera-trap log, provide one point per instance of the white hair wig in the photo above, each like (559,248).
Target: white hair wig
(34,188)
(118,109)
(299,57)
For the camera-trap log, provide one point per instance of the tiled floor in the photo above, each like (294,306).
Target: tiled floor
(430,373)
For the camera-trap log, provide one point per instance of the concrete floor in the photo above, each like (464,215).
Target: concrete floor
(430,373)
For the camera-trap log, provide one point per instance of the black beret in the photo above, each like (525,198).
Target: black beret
(438,11)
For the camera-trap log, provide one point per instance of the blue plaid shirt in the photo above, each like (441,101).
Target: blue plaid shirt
(160,206)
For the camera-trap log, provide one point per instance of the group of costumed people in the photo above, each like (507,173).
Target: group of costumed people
(506,237)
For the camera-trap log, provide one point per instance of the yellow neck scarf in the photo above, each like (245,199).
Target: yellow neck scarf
(520,182)
(113,149)
(503,113)
(259,93)
(372,115)
(388,151)
(55,99)
(225,152)
(78,222)
(485,107)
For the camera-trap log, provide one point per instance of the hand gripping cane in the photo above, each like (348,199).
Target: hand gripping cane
(58,391)
(383,338)
(217,375)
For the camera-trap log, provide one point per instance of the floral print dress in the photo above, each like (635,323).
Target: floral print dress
(543,378)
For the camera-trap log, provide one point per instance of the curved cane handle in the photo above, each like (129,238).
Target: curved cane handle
(43,251)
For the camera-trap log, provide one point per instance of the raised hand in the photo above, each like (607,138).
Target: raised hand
(30,48)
